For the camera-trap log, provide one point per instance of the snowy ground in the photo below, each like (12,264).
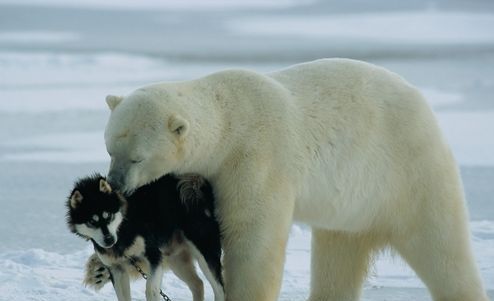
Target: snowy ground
(58,62)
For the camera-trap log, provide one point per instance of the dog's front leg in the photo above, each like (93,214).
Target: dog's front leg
(121,283)
(153,283)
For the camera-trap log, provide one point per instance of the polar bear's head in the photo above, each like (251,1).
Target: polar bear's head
(144,140)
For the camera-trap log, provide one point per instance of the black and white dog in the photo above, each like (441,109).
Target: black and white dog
(168,222)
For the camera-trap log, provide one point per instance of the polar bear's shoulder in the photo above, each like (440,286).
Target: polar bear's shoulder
(323,68)
(234,77)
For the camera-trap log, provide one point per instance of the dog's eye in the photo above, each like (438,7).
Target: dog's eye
(107,216)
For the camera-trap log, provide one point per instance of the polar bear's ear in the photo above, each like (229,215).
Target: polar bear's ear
(178,125)
(113,101)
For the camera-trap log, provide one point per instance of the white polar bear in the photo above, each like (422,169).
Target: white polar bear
(346,147)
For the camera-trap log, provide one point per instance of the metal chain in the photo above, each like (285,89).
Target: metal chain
(145,276)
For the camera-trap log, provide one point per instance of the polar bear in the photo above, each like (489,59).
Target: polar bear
(346,147)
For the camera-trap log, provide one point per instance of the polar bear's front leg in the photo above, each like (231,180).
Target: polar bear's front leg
(255,232)
(253,263)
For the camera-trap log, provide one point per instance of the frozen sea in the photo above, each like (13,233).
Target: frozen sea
(59,59)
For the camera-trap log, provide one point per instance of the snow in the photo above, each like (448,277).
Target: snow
(430,27)
(52,118)
(36,274)
(39,275)
(391,271)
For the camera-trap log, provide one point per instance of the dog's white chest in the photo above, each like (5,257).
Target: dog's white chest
(137,248)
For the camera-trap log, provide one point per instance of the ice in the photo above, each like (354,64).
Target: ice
(158,4)
(438,99)
(60,148)
(427,27)
(470,136)
(37,36)
(43,69)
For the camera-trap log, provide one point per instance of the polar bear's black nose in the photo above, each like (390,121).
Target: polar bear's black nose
(115,181)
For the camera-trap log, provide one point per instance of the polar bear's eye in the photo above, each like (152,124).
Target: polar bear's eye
(136,161)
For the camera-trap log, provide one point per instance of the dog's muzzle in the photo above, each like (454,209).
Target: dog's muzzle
(109,240)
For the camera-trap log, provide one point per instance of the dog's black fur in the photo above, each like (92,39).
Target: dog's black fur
(156,212)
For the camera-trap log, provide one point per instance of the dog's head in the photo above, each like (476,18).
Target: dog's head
(95,211)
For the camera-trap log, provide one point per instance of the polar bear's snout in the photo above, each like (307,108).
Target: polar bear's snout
(116,175)
(122,176)
(115,179)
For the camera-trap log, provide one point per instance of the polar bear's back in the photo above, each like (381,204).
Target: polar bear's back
(363,124)
(358,98)
(336,78)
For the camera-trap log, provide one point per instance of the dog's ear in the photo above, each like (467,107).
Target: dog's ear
(104,186)
(75,199)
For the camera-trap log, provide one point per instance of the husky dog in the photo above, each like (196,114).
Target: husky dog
(168,222)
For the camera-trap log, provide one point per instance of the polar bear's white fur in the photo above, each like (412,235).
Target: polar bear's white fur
(346,147)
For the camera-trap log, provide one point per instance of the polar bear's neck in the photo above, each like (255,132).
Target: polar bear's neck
(205,108)
(224,118)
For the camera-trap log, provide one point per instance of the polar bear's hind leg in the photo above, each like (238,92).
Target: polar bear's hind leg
(439,251)
(339,264)
(436,240)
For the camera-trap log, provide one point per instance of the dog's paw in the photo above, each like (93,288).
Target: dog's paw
(96,274)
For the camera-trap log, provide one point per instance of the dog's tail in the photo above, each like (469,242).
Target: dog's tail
(194,190)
